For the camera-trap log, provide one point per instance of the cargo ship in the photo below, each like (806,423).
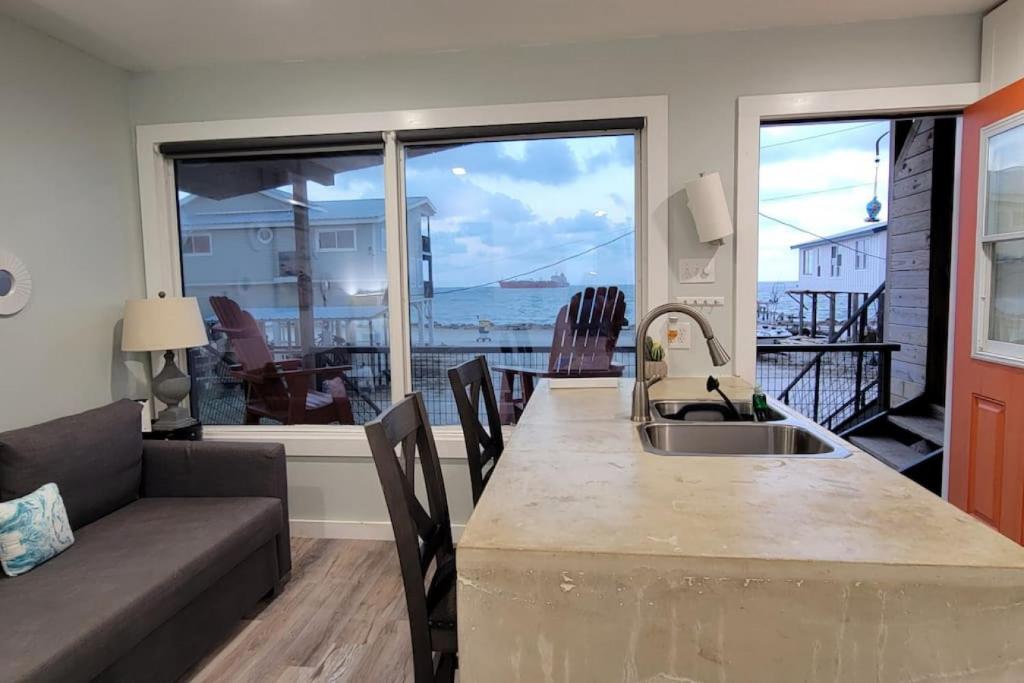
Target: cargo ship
(554,281)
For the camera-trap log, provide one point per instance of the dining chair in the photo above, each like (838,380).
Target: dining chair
(471,384)
(423,536)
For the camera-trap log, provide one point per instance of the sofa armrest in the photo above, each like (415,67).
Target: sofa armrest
(218,469)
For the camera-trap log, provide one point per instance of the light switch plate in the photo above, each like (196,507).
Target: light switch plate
(696,270)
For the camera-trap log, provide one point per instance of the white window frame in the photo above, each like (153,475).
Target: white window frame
(809,259)
(209,240)
(860,254)
(982,347)
(835,261)
(321,231)
(158,207)
(755,110)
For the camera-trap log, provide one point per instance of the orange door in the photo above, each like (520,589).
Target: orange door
(986,454)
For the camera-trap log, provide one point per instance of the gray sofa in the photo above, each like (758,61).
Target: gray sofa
(175,541)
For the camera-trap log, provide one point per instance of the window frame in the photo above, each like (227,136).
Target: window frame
(158,206)
(810,262)
(982,346)
(336,230)
(835,262)
(860,254)
(209,241)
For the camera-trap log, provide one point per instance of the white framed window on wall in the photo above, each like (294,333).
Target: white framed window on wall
(860,260)
(197,244)
(444,222)
(999,274)
(809,261)
(336,239)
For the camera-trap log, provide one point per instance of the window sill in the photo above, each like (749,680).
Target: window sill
(330,442)
(989,356)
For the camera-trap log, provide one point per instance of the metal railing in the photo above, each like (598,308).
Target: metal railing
(219,398)
(833,384)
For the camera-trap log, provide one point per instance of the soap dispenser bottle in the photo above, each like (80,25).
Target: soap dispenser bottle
(760,404)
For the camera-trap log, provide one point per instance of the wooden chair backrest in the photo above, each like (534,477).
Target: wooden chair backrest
(251,351)
(587,330)
(423,536)
(471,383)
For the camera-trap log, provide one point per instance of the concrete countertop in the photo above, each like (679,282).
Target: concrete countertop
(574,478)
(589,559)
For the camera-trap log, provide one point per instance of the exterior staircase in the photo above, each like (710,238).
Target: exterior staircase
(908,439)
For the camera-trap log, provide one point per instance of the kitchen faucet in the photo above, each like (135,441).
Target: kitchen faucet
(641,399)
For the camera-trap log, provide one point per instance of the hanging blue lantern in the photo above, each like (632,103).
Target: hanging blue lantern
(874,208)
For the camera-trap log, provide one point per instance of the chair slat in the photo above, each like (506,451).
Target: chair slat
(471,383)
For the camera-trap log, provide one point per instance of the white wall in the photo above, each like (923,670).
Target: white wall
(1002,53)
(702,75)
(68,208)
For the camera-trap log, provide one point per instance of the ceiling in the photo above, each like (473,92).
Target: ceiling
(145,35)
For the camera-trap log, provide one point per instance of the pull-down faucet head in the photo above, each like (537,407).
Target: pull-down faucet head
(641,404)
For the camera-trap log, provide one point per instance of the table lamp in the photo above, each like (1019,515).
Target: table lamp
(165,324)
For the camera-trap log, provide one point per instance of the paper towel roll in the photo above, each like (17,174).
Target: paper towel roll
(706,199)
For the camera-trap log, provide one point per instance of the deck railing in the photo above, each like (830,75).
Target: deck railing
(830,383)
(219,397)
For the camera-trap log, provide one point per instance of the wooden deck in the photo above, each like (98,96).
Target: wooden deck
(340,618)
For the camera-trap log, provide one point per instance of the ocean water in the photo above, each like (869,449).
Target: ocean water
(540,306)
(510,306)
(785,305)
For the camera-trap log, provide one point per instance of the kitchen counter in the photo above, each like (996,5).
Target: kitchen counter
(588,558)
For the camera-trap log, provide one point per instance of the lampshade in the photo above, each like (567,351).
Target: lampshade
(710,208)
(162,324)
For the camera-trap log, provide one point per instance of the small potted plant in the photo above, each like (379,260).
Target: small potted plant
(654,354)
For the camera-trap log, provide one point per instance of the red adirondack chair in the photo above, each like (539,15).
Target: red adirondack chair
(586,332)
(281,390)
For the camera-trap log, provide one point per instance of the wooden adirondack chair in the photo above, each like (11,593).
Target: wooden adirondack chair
(281,390)
(586,332)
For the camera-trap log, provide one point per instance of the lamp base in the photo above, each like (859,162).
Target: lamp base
(174,418)
(171,386)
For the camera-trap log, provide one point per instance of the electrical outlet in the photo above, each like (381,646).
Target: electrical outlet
(696,270)
(684,336)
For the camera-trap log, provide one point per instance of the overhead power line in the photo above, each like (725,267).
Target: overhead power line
(820,237)
(531,272)
(810,192)
(819,135)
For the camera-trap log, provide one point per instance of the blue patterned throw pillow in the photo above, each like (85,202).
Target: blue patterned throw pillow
(33,529)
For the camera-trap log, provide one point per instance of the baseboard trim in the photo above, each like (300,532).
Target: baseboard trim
(351,530)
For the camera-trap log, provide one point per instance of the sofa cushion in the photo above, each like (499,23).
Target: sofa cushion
(95,458)
(126,574)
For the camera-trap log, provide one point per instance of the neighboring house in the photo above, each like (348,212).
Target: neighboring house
(851,261)
(244,247)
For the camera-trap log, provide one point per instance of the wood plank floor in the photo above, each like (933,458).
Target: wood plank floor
(340,618)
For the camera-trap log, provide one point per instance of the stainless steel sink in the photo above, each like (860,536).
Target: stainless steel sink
(667,410)
(745,439)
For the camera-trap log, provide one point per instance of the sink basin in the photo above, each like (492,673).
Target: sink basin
(715,412)
(745,439)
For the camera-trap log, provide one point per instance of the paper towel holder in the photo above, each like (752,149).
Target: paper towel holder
(706,201)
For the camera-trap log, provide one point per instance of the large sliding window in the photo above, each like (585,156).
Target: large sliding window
(513,230)
(286,246)
(295,294)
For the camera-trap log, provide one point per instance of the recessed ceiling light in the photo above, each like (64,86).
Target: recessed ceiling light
(600,213)
(458,170)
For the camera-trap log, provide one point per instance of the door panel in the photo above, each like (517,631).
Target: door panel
(986,450)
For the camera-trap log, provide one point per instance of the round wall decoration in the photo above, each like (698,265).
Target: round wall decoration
(15,284)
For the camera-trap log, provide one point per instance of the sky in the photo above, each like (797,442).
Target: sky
(817,177)
(509,207)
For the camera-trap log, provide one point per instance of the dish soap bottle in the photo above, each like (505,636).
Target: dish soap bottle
(760,404)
